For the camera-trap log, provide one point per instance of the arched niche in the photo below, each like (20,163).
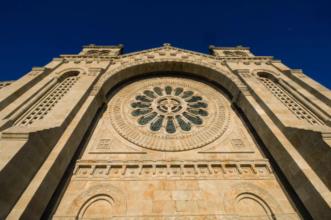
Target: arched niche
(267,74)
(70,73)
(100,195)
(251,205)
(99,206)
(249,200)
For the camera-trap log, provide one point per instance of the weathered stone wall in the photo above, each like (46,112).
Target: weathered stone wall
(289,112)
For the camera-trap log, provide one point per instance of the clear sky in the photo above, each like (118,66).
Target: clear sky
(296,32)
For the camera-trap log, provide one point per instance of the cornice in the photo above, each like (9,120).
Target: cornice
(7,82)
(246,58)
(165,47)
(84,56)
(103,46)
(229,48)
(230,169)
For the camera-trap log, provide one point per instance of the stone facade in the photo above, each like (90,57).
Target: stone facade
(165,133)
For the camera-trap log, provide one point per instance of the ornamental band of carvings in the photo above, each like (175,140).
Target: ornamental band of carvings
(186,217)
(169,114)
(200,217)
(176,217)
(174,169)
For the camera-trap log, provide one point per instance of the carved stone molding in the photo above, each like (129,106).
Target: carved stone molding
(250,169)
(94,71)
(200,217)
(37,70)
(245,73)
(298,73)
(175,217)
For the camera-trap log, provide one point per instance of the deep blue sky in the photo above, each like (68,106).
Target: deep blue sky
(297,32)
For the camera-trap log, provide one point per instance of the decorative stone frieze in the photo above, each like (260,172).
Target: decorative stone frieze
(173,169)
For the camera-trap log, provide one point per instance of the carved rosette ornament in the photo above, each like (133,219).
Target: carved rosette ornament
(169,114)
(166,107)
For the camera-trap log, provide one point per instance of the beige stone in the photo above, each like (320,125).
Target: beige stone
(165,133)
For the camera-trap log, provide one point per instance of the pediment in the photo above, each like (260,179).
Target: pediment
(167,51)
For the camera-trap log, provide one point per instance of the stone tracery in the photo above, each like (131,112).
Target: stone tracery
(170,108)
(169,111)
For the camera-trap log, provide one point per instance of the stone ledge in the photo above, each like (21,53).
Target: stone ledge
(253,169)
(288,216)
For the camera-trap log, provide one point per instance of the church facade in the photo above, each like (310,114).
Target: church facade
(165,134)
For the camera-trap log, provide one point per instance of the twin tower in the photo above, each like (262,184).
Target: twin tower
(165,134)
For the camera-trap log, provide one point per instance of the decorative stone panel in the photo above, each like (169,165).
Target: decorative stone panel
(39,110)
(169,114)
(174,169)
(298,109)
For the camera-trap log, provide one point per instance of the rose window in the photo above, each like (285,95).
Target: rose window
(169,113)
(169,108)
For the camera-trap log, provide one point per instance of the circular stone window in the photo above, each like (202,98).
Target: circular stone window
(169,114)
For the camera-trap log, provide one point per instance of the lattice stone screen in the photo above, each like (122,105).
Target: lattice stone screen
(40,109)
(298,109)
